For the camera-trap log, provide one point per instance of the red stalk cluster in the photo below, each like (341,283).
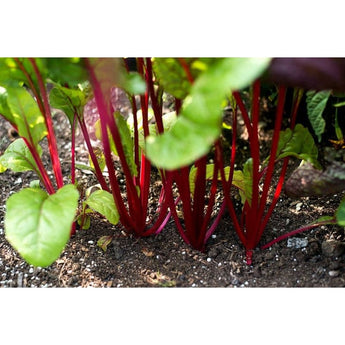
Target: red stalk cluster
(133,216)
(256,214)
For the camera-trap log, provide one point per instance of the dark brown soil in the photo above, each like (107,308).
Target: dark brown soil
(166,261)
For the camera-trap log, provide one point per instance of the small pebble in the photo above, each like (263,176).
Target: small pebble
(298,206)
(333,273)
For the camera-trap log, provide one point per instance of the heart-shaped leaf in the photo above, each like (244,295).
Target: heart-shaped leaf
(38,225)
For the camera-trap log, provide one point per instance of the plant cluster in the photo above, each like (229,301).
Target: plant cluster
(185,146)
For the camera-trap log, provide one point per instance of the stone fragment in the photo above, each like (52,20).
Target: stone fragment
(332,248)
(296,242)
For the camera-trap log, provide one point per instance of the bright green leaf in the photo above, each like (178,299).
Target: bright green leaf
(18,157)
(5,111)
(38,225)
(102,202)
(200,121)
(127,142)
(26,115)
(133,83)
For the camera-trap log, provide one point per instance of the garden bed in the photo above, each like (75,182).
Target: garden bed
(314,258)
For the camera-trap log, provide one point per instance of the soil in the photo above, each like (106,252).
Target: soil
(315,258)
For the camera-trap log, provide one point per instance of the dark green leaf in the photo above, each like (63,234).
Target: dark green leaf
(340,213)
(70,71)
(70,101)
(316,103)
(298,143)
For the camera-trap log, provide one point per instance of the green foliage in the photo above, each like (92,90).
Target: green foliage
(172,77)
(316,103)
(127,142)
(298,143)
(240,179)
(26,115)
(38,225)
(70,71)
(199,123)
(340,213)
(70,101)
(18,157)
(102,202)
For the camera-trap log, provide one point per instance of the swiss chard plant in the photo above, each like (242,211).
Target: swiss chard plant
(38,219)
(123,140)
(200,87)
(295,141)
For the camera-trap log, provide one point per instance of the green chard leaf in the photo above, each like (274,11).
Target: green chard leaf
(38,225)
(200,122)
(316,103)
(70,71)
(298,143)
(18,157)
(70,101)
(26,115)
(102,202)
(171,76)
(127,142)
(340,213)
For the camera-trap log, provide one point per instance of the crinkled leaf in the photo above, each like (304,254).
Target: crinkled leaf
(171,76)
(18,157)
(38,225)
(316,103)
(298,143)
(306,180)
(64,71)
(199,123)
(102,202)
(340,213)
(70,101)
(26,115)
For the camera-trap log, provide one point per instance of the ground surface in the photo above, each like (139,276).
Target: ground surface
(166,261)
